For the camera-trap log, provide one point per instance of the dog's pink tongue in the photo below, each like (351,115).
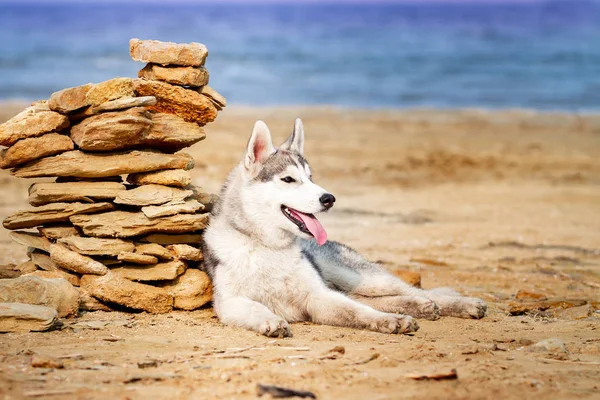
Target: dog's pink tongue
(314,226)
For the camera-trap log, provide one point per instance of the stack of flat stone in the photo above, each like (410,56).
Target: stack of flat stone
(120,219)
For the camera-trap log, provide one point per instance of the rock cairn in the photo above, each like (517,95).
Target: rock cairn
(121,219)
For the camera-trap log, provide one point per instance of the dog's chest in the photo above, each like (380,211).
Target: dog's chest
(259,270)
(279,279)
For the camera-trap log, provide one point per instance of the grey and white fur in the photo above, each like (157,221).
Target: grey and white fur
(268,270)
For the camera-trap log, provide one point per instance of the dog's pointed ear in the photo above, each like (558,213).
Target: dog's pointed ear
(296,140)
(260,145)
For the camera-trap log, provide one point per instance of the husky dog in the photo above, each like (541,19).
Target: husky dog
(270,261)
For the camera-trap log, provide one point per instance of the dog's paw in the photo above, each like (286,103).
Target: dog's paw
(391,323)
(421,307)
(275,328)
(474,308)
(464,307)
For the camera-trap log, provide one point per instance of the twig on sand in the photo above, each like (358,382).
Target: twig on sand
(292,348)
(368,360)
(152,377)
(278,392)
(550,360)
(232,350)
(226,356)
(236,350)
(334,354)
(42,393)
(591,284)
(208,353)
(435,377)
(75,356)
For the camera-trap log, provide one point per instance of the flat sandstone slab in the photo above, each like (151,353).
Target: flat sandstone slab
(188,104)
(191,290)
(184,76)
(171,133)
(115,289)
(85,165)
(75,262)
(58,232)
(97,247)
(153,249)
(137,258)
(116,130)
(51,213)
(152,195)
(209,200)
(519,308)
(124,224)
(185,252)
(169,177)
(136,128)
(12,271)
(31,123)
(19,317)
(25,268)
(44,193)
(125,103)
(58,274)
(168,53)
(69,99)
(111,89)
(43,261)
(37,106)
(217,98)
(55,293)
(30,149)
(148,273)
(89,303)
(172,208)
(33,240)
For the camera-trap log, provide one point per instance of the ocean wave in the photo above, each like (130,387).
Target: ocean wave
(535,55)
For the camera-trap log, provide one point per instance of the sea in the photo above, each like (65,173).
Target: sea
(543,55)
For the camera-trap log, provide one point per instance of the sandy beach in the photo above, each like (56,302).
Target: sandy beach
(486,202)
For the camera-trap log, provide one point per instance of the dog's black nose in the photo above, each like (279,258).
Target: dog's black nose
(327,200)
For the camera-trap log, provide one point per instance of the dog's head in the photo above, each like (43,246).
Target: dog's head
(279,186)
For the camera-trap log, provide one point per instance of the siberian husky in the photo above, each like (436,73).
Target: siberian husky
(271,263)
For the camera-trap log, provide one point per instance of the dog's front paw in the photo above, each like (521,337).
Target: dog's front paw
(421,307)
(463,307)
(391,323)
(474,308)
(275,328)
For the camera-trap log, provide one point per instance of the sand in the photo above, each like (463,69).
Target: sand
(488,203)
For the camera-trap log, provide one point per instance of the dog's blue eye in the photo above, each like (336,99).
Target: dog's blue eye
(288,179)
